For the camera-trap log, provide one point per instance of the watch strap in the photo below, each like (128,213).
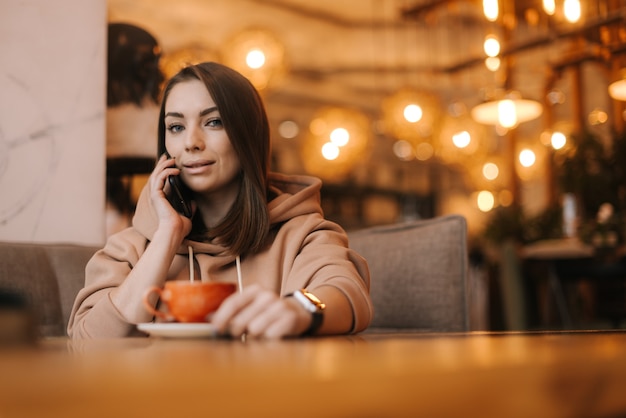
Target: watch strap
(318,318)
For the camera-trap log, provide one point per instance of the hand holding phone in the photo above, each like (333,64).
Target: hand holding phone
(178,194)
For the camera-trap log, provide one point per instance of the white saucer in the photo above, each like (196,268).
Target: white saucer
(178,330)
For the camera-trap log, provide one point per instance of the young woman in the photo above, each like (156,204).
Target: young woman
(269,227)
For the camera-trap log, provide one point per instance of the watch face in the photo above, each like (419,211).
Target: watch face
(312,298)
(309,301)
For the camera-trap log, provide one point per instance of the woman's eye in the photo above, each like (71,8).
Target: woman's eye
(175,128)
(214,123)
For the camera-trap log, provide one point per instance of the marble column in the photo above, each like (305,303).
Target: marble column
(52,120)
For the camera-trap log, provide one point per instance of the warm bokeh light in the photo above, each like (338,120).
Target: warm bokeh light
(571,10)
(527,158)
(549,7)
(491,10)
(508,111)
(598,117)
(403,150)
(173,62)
(340,137)
(258,55)
(255,59)
(490,171)
(492,63)
(505,198)
(413,113)
(556,97)
(558,140)
(330,151)
(424,151)
(461,139)
(485,201)
(288,129)
(491,46)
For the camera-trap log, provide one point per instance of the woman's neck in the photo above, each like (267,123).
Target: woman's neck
(215,206)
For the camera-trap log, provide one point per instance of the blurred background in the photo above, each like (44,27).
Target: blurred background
(356,69)
(509,112)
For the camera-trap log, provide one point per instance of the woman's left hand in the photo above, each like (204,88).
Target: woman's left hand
(260,313)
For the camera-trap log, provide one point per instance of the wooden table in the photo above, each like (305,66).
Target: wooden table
(553,251)
(568,374)
(571,261)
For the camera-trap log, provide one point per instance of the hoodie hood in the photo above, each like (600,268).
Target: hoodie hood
(294,195)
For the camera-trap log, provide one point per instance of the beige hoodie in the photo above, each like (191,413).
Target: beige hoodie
(306,251)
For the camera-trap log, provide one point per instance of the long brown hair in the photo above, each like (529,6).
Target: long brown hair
(246,225)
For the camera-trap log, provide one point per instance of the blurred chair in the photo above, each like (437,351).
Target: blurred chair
(419,273)
(48,277)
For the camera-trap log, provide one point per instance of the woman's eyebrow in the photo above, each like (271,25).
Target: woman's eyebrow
(208,110)
(202,113)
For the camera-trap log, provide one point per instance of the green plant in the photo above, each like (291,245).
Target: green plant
(588,170)
(511,223)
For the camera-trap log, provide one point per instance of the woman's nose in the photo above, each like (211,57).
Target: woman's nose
(194,139)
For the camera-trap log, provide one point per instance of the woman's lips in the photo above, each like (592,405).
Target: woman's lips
(197,167)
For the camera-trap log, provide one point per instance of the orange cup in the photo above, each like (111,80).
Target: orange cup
(189,301)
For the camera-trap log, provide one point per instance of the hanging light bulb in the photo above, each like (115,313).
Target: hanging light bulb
(410,114)
(340,137)
(485,200)
(571,10)
(491,10)
(492,63)
(490,171)
(257,54)
(330,151)
(558,140)
(255,59)
(507,118)
(337,139)
(527,157)
(413,113)
(461,139)
(549,7)
(491,46)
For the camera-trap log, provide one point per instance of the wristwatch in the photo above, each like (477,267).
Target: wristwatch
(311,303)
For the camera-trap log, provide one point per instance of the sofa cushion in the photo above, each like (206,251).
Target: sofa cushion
(48,275)
(418,273)
(68,262)
(25,269)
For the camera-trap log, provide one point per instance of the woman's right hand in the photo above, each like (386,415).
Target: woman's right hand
(169,218)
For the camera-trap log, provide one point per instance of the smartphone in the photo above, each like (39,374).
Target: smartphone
(178,195)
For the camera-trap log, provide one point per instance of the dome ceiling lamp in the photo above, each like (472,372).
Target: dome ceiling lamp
(257,54)
(412,116)
(338,138)
(617,89)
(508,111)
(461,140)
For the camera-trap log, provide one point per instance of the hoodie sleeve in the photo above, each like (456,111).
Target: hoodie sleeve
(325,259)
(93,314)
